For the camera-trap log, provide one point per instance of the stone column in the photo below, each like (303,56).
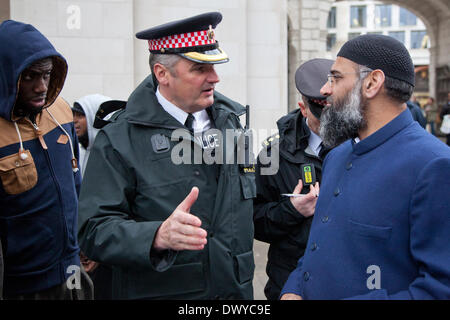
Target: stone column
(4,10)
(266,64)
(307,37)
(294,48)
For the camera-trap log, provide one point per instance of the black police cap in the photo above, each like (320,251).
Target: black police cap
(310,78)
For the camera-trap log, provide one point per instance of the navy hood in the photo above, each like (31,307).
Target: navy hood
(20,46)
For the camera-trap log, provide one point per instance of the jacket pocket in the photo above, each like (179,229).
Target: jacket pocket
(18,175)
(245,266)
(34,242)
(248,186)
(370,231)
(178,280)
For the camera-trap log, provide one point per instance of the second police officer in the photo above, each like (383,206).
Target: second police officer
(281,217)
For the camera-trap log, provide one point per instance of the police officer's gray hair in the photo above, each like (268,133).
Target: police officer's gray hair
(397,90)
(167,60)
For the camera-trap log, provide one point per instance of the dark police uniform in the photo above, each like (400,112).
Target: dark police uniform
(276,220)
(132,185)
(1,271)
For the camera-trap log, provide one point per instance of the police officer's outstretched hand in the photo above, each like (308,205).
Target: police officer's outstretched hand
(181,231)
(305,205)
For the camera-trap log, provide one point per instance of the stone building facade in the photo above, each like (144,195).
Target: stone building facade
(266,41)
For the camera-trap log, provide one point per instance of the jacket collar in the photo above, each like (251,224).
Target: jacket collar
(380,136)
(151,113)
(294,132)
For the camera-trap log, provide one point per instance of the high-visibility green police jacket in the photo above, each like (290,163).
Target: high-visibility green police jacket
(132,184)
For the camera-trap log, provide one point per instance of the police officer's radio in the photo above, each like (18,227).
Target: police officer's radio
(308,174)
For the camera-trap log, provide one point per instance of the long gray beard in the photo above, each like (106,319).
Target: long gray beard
(343,119)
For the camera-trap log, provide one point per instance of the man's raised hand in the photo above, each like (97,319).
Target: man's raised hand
(182,231)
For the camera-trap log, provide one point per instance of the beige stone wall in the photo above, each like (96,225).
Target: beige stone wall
(267,63)
(94,37)
(266,40)
(252,32)
(97,37)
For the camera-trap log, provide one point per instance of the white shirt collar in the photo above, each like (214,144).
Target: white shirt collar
(170,108)
(314,141)
(201,117)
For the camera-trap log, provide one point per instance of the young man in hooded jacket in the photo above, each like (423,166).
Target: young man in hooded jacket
(40,178)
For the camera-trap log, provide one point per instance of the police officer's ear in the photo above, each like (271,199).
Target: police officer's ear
(161,73)
(302,108)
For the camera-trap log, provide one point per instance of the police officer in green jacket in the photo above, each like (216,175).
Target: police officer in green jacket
(166,200)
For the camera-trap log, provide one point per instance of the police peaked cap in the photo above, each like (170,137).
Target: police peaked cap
(309,79)
(192,38)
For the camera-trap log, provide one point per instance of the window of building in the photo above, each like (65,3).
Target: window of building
(331,22)
(357,16)
(419,39)
(331,40)
(399,35)
(375,32)
(421,79)
(407,18)
(352,35)
(383,15)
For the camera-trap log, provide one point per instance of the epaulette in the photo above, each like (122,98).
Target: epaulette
(272,140)
(108,112)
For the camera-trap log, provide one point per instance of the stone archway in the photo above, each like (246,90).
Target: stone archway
(435,14)
(307,35)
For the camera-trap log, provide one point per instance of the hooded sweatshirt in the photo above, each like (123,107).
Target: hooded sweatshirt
(90,105)
(39,177)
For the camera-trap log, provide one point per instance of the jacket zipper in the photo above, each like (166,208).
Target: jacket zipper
(39,134)
(47,156)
